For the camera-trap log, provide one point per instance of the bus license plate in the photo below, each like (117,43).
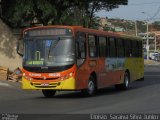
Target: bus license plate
(44,84)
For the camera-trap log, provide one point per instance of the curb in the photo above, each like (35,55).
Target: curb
(5,84)
(151,64)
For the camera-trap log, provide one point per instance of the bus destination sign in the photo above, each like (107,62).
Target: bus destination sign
(49,32)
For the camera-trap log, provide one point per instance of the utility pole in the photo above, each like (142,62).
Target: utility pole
(155,38)
(0,8)
(135,27)
(147,45)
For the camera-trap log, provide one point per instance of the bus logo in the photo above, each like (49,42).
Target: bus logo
(35,75)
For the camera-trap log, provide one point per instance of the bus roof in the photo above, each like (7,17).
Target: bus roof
(88,30)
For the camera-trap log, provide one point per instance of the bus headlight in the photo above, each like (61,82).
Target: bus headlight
(66,76)
(23,74)
(70,74)
(27,77)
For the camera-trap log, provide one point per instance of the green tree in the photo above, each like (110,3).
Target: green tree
(90,7)
(19,12)
(67,12)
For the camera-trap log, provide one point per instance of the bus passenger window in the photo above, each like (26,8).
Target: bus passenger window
(112,47)
(92,46)
(120,48)
(134,48)
(128,48)
(102,46)
(140,48)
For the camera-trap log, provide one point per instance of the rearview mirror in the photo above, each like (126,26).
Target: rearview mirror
(20,47)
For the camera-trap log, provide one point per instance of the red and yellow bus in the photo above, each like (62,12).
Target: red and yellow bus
(59,58)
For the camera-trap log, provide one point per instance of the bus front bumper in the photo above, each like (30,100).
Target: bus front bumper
(67,84)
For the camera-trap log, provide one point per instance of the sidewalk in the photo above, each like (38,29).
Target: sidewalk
(9,84)
(151,62)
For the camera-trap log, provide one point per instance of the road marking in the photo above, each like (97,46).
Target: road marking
(5,84)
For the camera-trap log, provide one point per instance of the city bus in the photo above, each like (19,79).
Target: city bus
(64,58)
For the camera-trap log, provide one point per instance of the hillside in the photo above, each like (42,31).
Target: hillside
(8,42)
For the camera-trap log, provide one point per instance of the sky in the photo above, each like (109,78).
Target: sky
(134,9)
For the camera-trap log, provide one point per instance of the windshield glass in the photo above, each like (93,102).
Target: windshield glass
(49,52)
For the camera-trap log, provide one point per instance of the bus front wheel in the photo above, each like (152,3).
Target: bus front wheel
(48,93)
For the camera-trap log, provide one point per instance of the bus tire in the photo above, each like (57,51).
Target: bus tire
(48,93)
(91,87)
(126,83)
(141,79)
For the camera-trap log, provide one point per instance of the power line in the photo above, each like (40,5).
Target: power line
(150,16)
(139,4)
(132,19)
(156,13)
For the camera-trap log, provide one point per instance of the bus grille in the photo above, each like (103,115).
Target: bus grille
(45,85)
(45,79)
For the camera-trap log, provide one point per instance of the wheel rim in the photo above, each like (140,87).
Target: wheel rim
(91,87)
(126,81)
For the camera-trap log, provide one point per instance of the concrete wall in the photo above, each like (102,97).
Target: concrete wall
(8,42)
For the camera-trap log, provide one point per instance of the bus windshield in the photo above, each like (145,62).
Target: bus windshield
(49,52)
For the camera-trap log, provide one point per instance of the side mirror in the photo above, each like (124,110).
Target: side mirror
(20,47)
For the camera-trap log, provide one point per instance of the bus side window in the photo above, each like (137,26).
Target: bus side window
(112,47)
(134,48)
(137,49)
(92,46)
(107,47)
(128,48)
(120,48)
(140,49)
(102,46)
(81,46)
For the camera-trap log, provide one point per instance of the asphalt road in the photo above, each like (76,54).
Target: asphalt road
(142,97)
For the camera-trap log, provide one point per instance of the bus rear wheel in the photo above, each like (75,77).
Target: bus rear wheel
(91,89)
(48,93)
(125,84)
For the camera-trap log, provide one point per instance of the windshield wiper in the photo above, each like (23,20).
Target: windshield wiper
(51,47)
